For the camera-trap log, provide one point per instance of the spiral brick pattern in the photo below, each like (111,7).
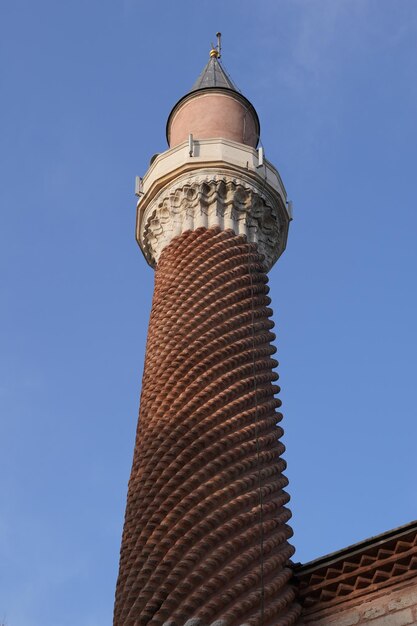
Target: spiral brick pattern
(205,540)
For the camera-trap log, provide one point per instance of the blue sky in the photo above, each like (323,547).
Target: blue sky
(86,88)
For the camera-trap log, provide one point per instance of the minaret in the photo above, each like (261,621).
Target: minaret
(205,539)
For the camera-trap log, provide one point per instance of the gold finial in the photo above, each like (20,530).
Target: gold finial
(216,51)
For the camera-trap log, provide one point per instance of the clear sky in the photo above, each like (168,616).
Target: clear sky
(86,87)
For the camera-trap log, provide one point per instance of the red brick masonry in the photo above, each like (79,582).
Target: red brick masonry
(373,582)
(207,465)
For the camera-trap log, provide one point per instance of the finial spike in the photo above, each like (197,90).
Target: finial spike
(219,44)
(216,51)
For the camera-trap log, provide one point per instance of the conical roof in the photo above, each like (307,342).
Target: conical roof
(213,75)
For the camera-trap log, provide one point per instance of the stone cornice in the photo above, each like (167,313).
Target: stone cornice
(214,197)
(209,153)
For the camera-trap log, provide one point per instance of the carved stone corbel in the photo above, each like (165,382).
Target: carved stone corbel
(208,199)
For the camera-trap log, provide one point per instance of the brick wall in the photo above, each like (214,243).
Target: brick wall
(393,606)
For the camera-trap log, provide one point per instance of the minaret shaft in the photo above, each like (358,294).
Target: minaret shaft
(205,535)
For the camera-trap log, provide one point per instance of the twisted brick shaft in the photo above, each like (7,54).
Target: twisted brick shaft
(207,468)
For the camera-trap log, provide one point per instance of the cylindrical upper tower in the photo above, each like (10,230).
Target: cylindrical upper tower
(213,108)
(205,539)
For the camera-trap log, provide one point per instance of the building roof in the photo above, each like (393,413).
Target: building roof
(213,75)
(359,569)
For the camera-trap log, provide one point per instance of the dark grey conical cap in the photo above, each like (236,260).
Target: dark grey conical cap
(213,75)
